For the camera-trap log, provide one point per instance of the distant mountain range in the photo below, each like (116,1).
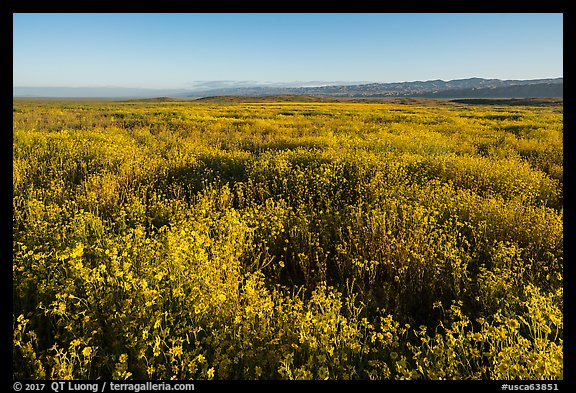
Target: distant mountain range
(459,88)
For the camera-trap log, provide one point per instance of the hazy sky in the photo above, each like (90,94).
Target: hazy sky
(177,50)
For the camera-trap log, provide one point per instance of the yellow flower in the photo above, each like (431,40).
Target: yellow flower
(156,348)
(514,324)
(150,370)
(78,251)
(86,352)
(477,336)
(210,372)
(176,350)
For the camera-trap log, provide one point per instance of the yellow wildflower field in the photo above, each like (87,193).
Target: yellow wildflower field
(287,240)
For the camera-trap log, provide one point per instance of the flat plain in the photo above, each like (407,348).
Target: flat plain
(229,239)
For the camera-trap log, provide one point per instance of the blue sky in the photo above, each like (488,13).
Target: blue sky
(180,50)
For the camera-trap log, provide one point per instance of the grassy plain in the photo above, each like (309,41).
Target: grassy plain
(279,240)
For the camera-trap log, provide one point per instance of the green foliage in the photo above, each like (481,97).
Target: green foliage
(287,241)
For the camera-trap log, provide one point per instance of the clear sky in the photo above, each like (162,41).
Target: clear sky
(178,50)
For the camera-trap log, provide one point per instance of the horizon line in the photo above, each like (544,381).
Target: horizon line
(267,84)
